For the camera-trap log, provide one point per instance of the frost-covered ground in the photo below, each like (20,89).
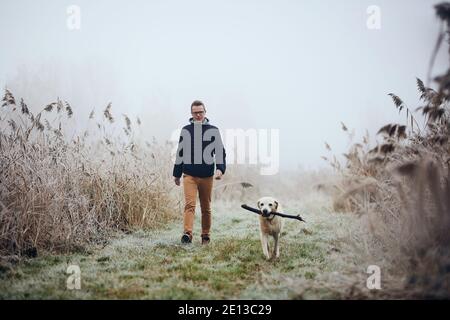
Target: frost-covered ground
(324,258)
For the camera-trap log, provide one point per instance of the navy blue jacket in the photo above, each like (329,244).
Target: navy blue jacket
(200,148)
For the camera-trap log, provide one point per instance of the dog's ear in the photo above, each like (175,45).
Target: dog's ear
(276,204)
(257,205)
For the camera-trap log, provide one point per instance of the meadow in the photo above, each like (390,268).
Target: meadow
(104,200)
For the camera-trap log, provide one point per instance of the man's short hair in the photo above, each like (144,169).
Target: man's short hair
(197,103)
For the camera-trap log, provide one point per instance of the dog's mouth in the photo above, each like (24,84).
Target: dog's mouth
(266,213)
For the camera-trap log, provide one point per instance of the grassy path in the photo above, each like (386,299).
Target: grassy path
(154,264)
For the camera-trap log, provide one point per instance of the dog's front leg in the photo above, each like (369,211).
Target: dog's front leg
(276,247)
(265,245)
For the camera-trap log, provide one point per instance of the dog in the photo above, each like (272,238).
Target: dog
(270,225)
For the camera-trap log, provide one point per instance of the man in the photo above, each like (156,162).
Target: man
(200,157)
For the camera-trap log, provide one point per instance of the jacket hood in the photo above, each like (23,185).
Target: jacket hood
(205,121)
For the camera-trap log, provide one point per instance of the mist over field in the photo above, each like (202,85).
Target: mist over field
(298,66)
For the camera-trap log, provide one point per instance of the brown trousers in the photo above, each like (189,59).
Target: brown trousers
(203,186)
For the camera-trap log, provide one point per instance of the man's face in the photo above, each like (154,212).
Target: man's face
(198,113)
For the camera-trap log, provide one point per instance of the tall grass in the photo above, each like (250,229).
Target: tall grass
(403,186)
(59,192)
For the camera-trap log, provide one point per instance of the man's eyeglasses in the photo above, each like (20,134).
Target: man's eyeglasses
(198,113)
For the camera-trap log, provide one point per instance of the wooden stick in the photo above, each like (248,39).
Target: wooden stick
(297,217)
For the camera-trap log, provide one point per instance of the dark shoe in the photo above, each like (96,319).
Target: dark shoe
(205,240)
(186,238)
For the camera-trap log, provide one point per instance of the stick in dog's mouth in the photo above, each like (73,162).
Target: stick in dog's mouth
(297,217)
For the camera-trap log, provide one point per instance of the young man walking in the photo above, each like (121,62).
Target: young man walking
(200,157)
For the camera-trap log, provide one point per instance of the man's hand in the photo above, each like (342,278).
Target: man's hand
(176,180)
(218,175)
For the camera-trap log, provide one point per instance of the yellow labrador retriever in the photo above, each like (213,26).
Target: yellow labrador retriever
(270,225)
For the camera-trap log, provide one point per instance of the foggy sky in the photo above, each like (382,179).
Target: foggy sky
(298,66)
